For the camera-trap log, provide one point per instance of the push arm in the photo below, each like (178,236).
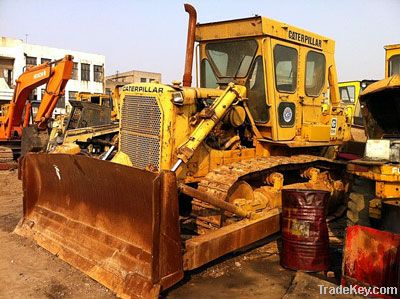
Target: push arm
(212,117)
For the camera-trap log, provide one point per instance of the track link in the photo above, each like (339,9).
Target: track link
(218,182)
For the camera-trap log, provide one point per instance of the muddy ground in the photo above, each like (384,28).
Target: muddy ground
(28,271)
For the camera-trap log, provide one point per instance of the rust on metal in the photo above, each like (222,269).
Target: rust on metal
(205,248)
(371,258)
(187,75)
(304,230)
(8,166)
(212,200)
(219,182)
(118,224)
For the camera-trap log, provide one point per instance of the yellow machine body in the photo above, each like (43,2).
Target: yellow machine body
(349,92)
(102,99)
(305,125)
(213,158)
(381,102)
(392,61)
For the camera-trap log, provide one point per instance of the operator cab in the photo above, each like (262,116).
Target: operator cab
(286,70)
(392,60)
(349,92)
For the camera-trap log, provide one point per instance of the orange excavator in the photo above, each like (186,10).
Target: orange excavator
(14,125)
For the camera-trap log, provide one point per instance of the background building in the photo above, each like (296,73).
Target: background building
(87,74)
(133,76)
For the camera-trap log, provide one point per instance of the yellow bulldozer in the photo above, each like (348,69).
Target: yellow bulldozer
(377,202)
(349,92)
(199,170)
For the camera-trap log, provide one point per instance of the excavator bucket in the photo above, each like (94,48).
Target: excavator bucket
(117,224)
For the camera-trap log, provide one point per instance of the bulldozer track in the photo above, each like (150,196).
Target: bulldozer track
(218,182)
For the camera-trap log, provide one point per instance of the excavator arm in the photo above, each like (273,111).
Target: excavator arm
(55,87)
(56,74)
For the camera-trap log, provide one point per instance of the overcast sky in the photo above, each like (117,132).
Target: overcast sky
(151,35)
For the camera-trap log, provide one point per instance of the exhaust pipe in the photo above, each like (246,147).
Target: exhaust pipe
(187,75)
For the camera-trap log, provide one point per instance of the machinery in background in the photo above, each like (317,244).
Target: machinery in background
(91,127)
(349,92)
(199,171)
(392,60)
(104,100)
(14,123)
(379,204)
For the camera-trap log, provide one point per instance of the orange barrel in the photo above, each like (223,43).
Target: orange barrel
(304,230)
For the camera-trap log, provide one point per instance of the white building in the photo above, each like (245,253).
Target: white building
(15,55)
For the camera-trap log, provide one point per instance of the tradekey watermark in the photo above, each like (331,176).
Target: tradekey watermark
(357,290)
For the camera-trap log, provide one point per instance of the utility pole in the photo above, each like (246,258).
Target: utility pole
(26,38)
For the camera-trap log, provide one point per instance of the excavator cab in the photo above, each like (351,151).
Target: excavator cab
(199,170)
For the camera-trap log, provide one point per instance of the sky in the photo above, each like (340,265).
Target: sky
(151,35)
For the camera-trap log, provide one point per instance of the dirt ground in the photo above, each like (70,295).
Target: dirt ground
(28,271)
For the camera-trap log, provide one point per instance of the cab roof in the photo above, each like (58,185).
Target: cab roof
(262,27)
(392,82)
(391,47)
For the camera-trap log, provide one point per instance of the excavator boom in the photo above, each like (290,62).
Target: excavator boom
(55,87)
(56,74)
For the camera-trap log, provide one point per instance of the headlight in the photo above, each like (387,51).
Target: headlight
(177,98)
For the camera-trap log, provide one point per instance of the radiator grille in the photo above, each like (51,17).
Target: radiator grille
(140,131)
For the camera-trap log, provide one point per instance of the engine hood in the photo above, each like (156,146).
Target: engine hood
(380,104)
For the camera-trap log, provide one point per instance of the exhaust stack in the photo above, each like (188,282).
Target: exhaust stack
(187,75)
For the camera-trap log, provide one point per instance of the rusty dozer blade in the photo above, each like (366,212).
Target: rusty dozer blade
(118,224)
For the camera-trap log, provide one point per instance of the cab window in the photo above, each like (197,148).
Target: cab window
(347,93)
(357,117)
(207,77)
(256,92)
(285,60)
(315,73)
(106,102)
(394,65)
(232,58)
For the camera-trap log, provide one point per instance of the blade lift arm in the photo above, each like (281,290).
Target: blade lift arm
(214,114)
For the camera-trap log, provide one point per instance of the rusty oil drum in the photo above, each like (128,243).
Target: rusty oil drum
(304,230)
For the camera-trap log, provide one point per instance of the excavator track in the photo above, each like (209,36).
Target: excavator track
(7,158)
(219,182)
